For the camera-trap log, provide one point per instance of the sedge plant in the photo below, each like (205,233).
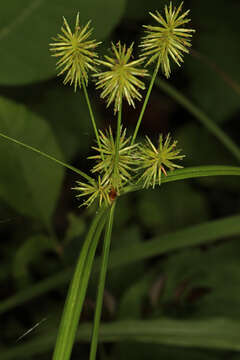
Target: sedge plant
(120,160)
(120,163)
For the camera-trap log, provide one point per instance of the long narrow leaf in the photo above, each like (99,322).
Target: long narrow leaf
(219,333)
(212,333)
(191,236)
(191,173)
(77,291)
(101,284)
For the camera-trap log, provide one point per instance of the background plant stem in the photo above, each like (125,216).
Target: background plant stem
(201,116)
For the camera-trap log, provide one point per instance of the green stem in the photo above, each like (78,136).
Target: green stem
(47,156)
(92,116)
(201,116)
(101,285)
(117,143)
(145,102)
(77,291)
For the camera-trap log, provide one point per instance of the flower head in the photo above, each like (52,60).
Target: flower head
(94,190)
(76,53)
(153,160)
(170,38)
(106,158)
(121,80)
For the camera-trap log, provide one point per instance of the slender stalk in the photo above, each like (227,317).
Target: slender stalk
(101,285)
(47,156)
(145,101)
(201,116)
(118,129)
(91,115)
(77,290)
(117,142)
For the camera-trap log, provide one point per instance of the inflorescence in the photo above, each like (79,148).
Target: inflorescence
(76,53)
(121,80)
(169,39)
(119,161)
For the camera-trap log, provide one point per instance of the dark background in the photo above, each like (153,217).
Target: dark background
(41,226)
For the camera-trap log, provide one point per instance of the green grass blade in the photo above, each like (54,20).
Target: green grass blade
(77,290)
(28,147)
(191,173)
(210,333)
(214,333)
(192,236)
(196,235)
(201,116)
(101,284)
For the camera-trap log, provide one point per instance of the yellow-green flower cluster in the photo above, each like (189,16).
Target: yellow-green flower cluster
(93,190)
(121,80)
(110,182)
(119,161)
(155,160)
(76,53)
(106,159)
(169,39)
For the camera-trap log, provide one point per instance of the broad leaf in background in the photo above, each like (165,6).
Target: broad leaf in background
(208,280)
(220,44)
(27,27)
(76,227)
(171,207)
(68,115)
(29,183)
(73,238)
(138,9)
(131,303)
(30,252)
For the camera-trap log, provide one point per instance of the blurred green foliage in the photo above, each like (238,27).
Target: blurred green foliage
(42,229)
